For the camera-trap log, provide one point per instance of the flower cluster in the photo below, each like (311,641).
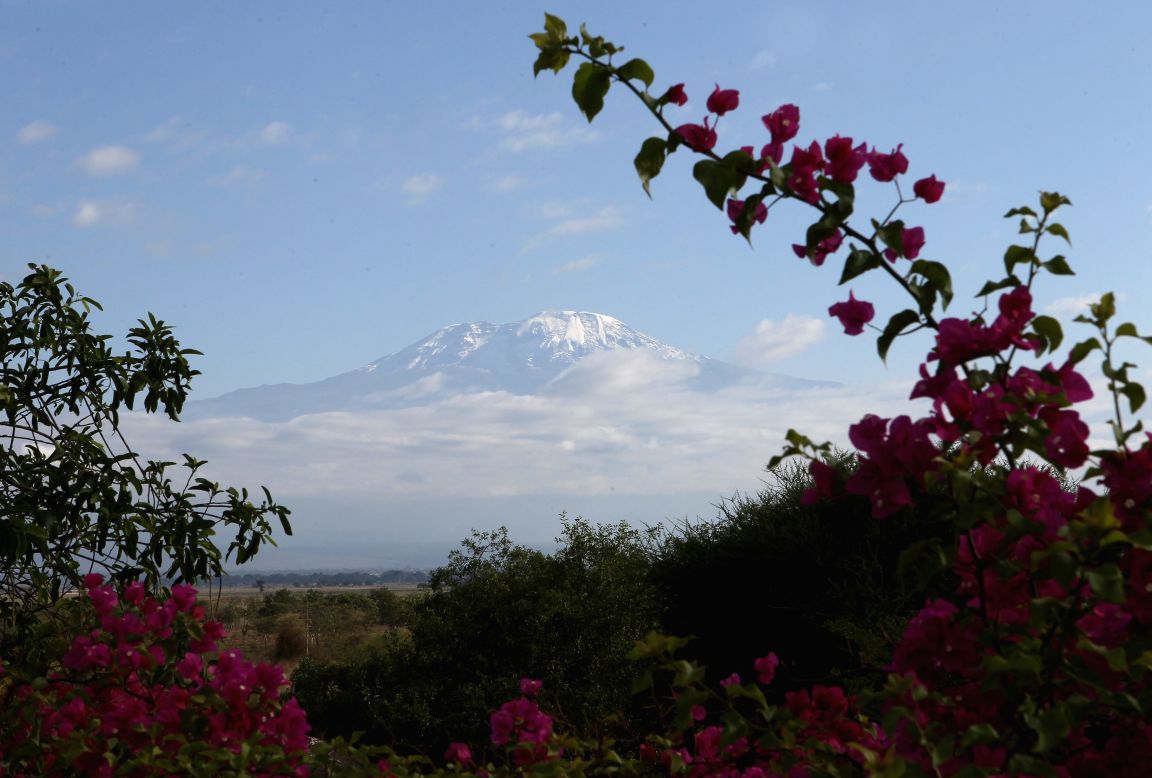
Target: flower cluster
(1037,662)
(521,725)
(143,691)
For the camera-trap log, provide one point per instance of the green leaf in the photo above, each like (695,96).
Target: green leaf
(552,58)
(1018,255)
(555,26)
(589,87)
(1127,330)
(650,161)
(597,46)
(859,262)
(896,325)
(719,180)
(1021,211)
(1135,394)
(994,286)
(636,68)
(1107,582)
(746,219)
(892,234)
(1049,331)
(1050,201)
(1058,229)
(1058,266)
(1082,349)
(1051,726)
(1105,309)
(937,275)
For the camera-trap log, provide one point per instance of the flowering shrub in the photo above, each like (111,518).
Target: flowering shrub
(142,691)
(1038,663)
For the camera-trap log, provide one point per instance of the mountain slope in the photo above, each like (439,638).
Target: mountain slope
(551,352)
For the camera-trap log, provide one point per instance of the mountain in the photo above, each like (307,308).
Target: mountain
(551,352)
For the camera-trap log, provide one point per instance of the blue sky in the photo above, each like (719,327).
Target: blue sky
(302,188)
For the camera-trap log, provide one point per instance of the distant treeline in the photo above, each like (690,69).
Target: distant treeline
(313,579)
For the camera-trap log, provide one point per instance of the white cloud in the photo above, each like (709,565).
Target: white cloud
(421,186)
(117,213)
(524,132)
(968,187)
(577,265)
(111,160)
(175,134)
(623,423)
(37,131)
(276,133)
(1072,306)
(772,341)
(823,86)
(762,59)
(238,176)
(507,183)
(607,218)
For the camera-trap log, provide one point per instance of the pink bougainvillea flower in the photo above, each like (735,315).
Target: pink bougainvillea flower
(773,151)
(928,189)
(829,245)
(698,137)
(458,752)
(844,161)
(806,163)
(699,713)
(823,480)
(853,314)
(675,94)
(1066,444)
(736,207)
(912,240)
(721,101)
(530,687)
(732,680)
(783,123)
(765,668)
(885,167)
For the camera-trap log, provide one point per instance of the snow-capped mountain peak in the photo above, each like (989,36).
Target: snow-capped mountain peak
(534,356)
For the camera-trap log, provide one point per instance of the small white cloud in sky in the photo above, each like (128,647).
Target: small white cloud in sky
(37,131)
(420,186)
(823,86)
(1077,304)
(577,265)
(1072,306)
(524,132)
(238,176)
(607,218)
(117,213)
(507,183)
(772,341)
(762,59)
(113,160)
(275,133)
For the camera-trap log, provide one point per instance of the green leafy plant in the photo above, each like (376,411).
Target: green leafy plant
(74,496)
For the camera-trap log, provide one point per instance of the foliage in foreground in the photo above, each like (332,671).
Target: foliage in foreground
(74,496)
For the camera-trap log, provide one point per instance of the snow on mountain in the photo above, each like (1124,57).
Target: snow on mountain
(553,352)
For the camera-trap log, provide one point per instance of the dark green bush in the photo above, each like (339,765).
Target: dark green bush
(820,585)
(495,613)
